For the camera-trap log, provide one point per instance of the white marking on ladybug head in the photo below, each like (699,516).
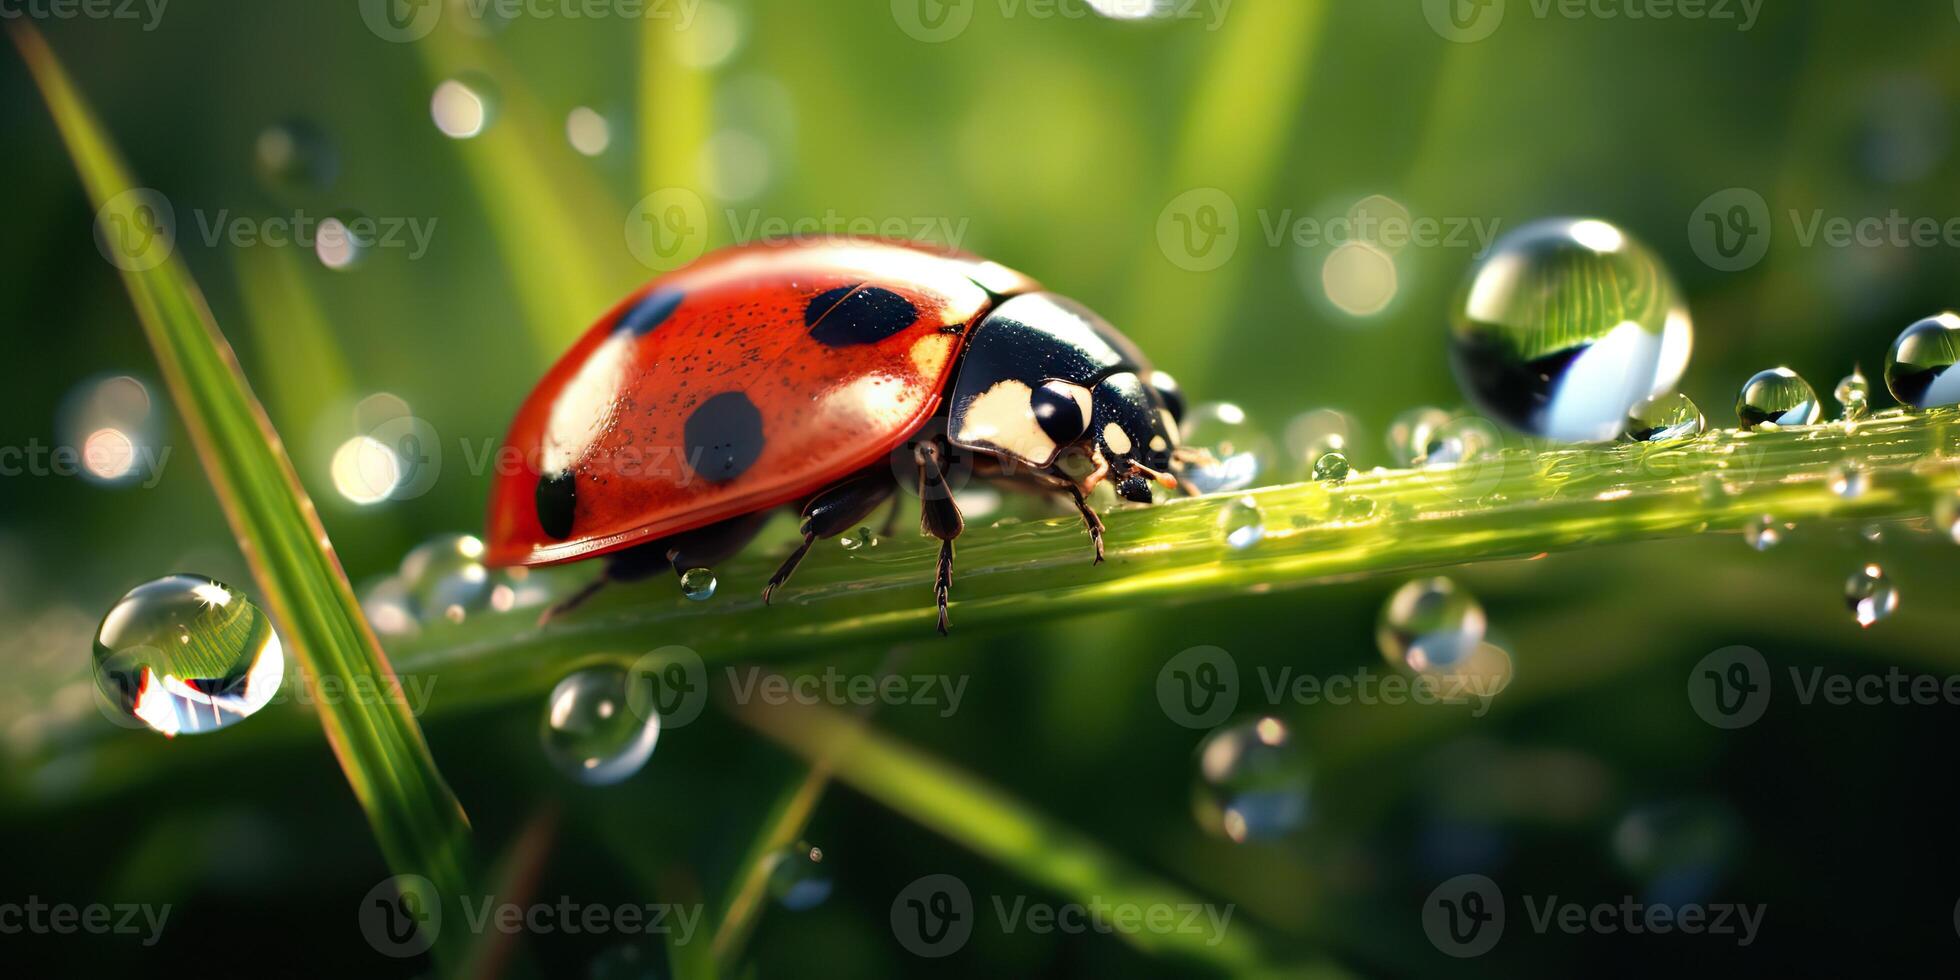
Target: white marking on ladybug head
(1116,439)
(1002,419)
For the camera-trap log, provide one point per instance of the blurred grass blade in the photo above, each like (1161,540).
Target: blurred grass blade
(301,368)
(674,111)
(548,210)
(995,825)
(418,822)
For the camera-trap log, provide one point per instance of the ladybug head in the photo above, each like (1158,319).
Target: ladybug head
(1044,379)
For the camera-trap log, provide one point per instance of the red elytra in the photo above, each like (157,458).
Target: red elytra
(615,407)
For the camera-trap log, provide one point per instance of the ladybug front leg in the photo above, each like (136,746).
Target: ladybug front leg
(1089,518)
(831,513)
(939,516)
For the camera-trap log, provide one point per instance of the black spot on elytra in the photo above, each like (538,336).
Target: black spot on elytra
(557,500)
(851,315)
(724,436)
(650,312)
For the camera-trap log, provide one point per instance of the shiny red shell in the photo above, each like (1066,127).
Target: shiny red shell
(623,411)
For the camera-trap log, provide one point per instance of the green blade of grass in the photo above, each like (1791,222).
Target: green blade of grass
(418,823)
(995,825)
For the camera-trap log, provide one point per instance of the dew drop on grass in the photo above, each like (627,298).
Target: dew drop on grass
(1252,782)
(1411,433)
(698,584)
(592,732)
(446,579)
(1854,396)
(1564,326)
(1429,624)
(1774,399)
(1242,524)
(1850,479)
(464,106)
(389,609)
(1464,439)
(1238,451)
(185,654)
(860,538)
(517,588)
(1331,468)
(1311,435)
(1919,366)
(1870,595)
(1762,532)
(1671,416)
(797,879)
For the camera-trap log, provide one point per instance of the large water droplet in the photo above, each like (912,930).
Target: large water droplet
(1854,396)
(1331,468)
(1238,451)
(389,608)
(1673,416)
(699,584)
(1919,367)
(592,733)
(446,578)
(295,156)
(1566,325)
(1776,398)
(1412,432)
(1762,532)
(1242,523)
(1850,479)
(1252,781)
(1429,623)
(464,106)
(185,654)
(1870,595)
(797,877)
(1464,439)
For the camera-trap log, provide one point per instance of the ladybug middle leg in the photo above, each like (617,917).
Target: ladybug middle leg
(699,548)
(939,516)
(831,513)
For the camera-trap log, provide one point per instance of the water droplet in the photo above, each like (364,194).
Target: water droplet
(1776,398)
(698,584)
(1946,516)
(1762,532)
(1242,523)
(860,538)
(1311,435)
(1564,326)
(112,425)
(295,156)
(185,654)
(592,732)
(446,578)
(517,588)
(1253,781)
(1331,468)
(1428,624)
(1854,395)
(1410,433)
(1919,367)
(342,240)
(1464,439)
(464,106)
(797,877)
(1850,479)
(389,608)
(1238,452)
(1870,595)
(588,131)
(1673,416)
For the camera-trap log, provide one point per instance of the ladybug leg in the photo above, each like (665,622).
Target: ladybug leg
(890,527)
(831,513)
(1090,518)
(939,516)
(628,565)
(706,547)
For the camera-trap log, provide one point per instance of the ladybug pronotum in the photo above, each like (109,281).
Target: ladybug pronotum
(820,375)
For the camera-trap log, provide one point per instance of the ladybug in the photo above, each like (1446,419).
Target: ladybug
(820,375)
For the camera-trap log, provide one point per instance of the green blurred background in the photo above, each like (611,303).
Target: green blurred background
(1057,145)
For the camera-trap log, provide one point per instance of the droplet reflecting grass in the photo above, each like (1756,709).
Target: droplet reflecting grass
(186,654)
